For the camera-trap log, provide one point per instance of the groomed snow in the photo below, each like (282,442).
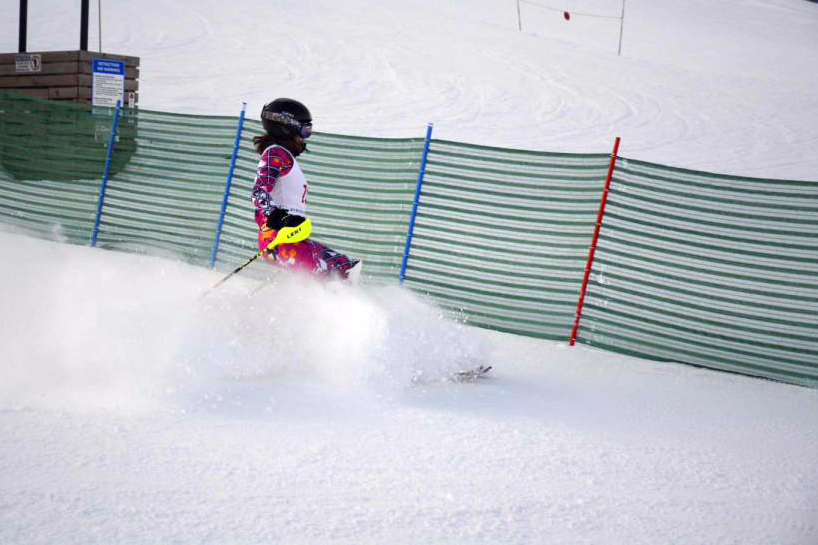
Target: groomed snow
(133,411)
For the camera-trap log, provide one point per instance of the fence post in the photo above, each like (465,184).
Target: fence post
(592,249)
(415,203)
(621,25)
(519,18)
(215,249)
(101,199)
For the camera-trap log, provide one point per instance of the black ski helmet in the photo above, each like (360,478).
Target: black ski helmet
(286,118)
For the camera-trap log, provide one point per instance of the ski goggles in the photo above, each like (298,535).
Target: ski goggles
(304,130)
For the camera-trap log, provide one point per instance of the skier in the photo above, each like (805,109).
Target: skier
(280,192)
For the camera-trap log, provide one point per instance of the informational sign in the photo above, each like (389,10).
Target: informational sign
(28,62)
(108,84)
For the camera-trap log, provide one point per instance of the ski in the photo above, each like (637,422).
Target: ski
(470,375)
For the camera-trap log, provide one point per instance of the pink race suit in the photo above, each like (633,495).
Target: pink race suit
(281,184)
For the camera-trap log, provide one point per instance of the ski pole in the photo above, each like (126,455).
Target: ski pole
(285,235)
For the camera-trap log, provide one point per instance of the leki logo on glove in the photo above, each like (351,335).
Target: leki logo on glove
(296,232)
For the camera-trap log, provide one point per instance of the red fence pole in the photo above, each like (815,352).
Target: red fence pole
(592,249)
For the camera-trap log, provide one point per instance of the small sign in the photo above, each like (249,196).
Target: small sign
(28,62)
(108,83)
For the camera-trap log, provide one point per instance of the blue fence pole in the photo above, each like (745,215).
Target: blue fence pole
(411,229)
(101,199)
(227,184)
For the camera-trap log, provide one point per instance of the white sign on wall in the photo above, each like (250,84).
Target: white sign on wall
(108,84)
(28,62)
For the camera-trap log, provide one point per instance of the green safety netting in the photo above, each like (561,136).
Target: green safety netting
(502,235)
(706,269)
(168,196)
(51,160)
(713,270)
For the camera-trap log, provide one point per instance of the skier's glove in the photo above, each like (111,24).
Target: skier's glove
(279,218)
(276,218)
(292,220)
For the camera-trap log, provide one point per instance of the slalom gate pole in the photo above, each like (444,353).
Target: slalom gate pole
(101,199)
(415,203)
(594,240)
(215,249)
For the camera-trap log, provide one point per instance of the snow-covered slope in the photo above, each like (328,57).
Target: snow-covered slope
(720,85)
(133,411)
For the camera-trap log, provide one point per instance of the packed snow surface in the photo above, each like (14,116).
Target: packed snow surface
(134,410)
(718,85)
